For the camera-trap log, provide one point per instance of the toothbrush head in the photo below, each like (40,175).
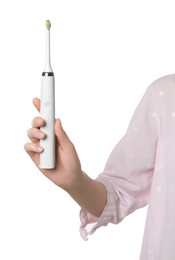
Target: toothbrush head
(48,24)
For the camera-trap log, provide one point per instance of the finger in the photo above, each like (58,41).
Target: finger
(36,102)
(38,122)
(32,148)
(61,135)
(35,135)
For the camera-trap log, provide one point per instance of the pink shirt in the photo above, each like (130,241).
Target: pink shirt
(141,171)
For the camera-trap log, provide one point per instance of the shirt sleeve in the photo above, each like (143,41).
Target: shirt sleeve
(128,173)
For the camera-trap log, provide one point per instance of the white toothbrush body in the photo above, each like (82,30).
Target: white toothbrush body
(47,111)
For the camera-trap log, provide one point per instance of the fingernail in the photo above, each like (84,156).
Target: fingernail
(42,135)
(39,149)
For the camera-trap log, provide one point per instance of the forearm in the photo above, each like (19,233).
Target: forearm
(90,194)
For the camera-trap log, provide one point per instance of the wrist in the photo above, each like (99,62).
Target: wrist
(74,182)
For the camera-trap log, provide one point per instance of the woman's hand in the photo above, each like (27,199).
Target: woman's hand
(68,167)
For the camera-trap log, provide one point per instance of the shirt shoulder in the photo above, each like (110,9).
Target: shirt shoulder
(162,91)
(164,83)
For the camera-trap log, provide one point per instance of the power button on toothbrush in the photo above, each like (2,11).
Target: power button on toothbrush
(47,105)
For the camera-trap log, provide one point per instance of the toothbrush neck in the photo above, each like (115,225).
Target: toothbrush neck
(48,63)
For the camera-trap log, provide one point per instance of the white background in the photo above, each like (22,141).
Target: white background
(104,55)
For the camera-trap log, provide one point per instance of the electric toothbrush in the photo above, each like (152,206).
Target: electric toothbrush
(47,109)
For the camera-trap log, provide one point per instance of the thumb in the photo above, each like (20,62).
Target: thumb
(61,135)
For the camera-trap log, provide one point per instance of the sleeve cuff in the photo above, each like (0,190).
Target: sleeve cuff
(90,223)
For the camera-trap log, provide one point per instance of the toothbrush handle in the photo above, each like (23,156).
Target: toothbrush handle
(47,111)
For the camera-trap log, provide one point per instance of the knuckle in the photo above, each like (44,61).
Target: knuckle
(26,146)
(37,122)
(34,122)
(29,132)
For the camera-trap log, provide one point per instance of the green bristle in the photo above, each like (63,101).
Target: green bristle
(48,24)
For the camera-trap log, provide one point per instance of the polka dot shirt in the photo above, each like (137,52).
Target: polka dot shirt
(140,171)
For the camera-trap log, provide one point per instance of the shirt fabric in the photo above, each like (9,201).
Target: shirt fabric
(141,170)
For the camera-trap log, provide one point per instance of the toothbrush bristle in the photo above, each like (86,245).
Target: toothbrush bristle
(48,24)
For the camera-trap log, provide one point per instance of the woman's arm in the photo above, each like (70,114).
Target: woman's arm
(68,175)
